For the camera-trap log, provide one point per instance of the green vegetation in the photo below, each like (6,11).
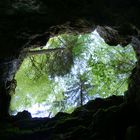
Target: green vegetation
(73,70)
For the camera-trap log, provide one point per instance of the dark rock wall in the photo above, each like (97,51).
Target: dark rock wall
(100,119)
(22,19)
(8,68)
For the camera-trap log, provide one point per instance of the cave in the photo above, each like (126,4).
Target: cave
(28,24)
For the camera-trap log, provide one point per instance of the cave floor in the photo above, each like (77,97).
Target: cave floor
(100,119)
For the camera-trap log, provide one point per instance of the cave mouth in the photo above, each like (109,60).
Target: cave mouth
(68,72)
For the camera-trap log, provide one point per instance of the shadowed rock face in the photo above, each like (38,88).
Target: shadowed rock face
(22,20)
(29,23)
(105,119)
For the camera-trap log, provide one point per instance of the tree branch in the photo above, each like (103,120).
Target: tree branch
(44,51)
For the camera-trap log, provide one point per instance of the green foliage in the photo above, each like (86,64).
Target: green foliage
(84,68)
(30,89)
(110,68)
(59,63)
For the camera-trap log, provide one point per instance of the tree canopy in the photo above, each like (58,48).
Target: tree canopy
(69,71)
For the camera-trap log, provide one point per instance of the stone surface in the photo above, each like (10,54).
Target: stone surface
(111,119)
(20,20)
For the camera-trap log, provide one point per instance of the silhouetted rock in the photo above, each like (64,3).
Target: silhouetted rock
(100,119)
(24,115)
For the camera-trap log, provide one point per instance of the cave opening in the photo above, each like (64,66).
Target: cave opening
(70,71)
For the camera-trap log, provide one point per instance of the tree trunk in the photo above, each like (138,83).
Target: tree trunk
(43,51)
(81,96)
